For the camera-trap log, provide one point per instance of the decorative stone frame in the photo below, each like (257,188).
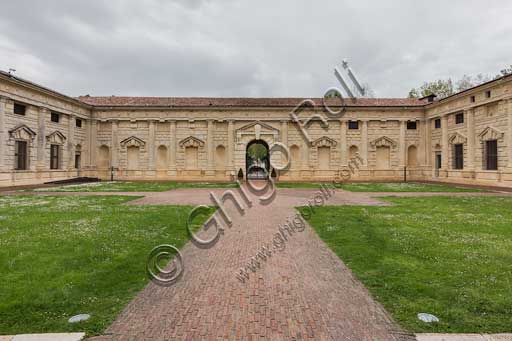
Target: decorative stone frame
(457,138)
(383,141)
(191,141)
(324,141)
(491,133)
(56,138)
(133,141)
(22,133)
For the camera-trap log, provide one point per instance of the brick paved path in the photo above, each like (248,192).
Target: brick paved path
(303,292)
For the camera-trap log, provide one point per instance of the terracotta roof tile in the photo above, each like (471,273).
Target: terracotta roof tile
(122,101)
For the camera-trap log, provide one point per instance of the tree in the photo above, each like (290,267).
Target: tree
(506,71)
(464,83)
(442,88)
(445,88)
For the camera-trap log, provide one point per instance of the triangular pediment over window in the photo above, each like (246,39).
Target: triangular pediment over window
(133,141)
(191,141)
(383,141)
(490,133)
(22,132)
(56,138)
(457,138)
(324,141)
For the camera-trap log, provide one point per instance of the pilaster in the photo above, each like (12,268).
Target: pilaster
(444,142)
(71,142)
(427,142)
(470,117)
(151,144)
(115,143)
(93,126)
(3,102)
(364,142)
(509,133)
(402,148)
(343,142)
(231,144)
(209,143)
(41,135)
(172,145)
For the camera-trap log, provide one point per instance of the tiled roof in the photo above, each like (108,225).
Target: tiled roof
(121,101)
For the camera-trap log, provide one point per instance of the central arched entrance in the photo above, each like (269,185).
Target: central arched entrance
(257,161)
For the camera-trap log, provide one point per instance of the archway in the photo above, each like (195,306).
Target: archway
(257,161)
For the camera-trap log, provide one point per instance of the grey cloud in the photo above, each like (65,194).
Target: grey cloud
(246,48)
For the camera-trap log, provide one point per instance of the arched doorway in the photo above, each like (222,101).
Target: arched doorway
(257,161)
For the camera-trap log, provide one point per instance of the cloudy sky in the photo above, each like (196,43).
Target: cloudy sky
(250,48)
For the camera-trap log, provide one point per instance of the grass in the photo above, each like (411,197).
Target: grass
(127,186)
(61,256)
(447,256)
(384,187)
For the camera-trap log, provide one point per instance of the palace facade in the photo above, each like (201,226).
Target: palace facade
(47,136)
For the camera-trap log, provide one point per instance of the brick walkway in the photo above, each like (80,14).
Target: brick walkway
(303,292)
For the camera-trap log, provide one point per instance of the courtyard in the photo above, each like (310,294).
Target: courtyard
(370,258)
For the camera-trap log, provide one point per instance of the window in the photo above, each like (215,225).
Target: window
(472,99)
(459,118)
(458,157)
(54,156)
(19,109)
(77,160)
(20,155)
(411,125)
(491,155)
(78,123)
(488,94)
(353,124)
(437,123)
(55,117)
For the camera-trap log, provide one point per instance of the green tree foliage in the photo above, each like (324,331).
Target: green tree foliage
(444,88)
(257,151)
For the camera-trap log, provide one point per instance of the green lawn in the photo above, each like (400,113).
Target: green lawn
(61,256)
(451,257)
(127,186)
(383,187)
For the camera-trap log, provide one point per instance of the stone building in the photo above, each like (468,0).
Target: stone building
(47,136)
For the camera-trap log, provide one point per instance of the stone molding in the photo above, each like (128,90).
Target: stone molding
(383,141)
(324,141)
(490,133)
(132,141)
(191,141)
(56,138)
(457,138)
(22,132)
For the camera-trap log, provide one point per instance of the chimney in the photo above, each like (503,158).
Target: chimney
(429,98)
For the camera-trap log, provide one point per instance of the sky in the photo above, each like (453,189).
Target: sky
(241,48)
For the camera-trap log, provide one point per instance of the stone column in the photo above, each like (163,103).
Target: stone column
(444,142)
(209,145)
(151,145)
(343,143)
(3,140)
(41,137)
(231,144)
(172,145)
(509,134)
(71,142)
(470,131)
(428,142)
(402,148)
(364,142)
(115,144)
